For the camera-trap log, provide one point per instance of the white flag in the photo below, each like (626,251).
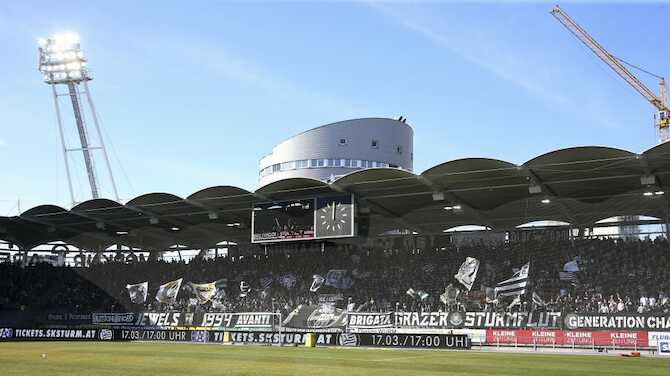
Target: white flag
(317,283)
(515,285)
(417,294)
(468,272)
(138,292)
(167,293)
(204,292)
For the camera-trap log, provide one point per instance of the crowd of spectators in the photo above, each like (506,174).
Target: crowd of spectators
(614,276)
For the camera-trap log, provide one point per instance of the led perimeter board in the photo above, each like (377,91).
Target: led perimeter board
(303,219)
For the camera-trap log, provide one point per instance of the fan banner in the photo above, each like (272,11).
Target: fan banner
(360,320)
(617,321)
(208,320)
(310,317)
(327,317)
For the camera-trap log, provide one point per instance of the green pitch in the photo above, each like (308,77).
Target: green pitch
(129,359)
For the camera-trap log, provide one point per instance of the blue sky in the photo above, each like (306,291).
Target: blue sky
(192,94)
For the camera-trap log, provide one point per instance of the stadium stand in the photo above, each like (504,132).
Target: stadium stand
(614,276)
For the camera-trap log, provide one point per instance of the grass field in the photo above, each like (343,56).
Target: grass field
(129,359)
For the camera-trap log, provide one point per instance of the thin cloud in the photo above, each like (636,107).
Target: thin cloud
(507,67)
(514,68)
(222,63)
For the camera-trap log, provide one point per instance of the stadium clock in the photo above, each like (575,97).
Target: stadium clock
(334,217)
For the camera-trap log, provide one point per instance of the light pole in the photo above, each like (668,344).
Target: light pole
(62,63)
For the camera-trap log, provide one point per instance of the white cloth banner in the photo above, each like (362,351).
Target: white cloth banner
(138,292)
(204,292)
(317,283)
(468,272)
(167,293)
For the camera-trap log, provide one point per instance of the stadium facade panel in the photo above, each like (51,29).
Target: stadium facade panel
(333,150)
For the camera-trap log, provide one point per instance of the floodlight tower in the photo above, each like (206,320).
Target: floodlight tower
(63,63)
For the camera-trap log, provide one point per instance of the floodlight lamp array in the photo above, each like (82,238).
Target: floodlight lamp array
(61,59)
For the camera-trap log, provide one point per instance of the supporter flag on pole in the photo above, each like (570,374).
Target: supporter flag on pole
(568,276)
(516,285)
(515,302)
(429,268)
(288,280)
(571,266)
(450,294)
(244,289)
(138,292)
(167,293)
(266,282)
(204,292)
(221,284)
(417,294)
(317,283)
(468,272)
(538,301)
(339,279)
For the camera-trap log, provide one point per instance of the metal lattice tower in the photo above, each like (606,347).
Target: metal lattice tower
(63,64)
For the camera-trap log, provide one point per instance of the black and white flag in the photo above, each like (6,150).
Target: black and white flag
(266,282)
(244,289)
(138,292)
(167,293)
(538,301)
(317,283)
(417,294)
(468,272)
(568,276)
(203,292)
(516,285)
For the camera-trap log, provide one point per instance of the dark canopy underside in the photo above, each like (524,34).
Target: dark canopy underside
(580,185)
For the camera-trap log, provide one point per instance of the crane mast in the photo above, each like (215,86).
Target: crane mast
(660,102)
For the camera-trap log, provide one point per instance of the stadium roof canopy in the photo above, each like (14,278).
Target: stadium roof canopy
(579,185)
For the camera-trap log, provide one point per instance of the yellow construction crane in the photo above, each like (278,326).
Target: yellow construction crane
(660,102)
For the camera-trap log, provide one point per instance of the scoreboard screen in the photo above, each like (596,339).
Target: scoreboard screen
(303,219)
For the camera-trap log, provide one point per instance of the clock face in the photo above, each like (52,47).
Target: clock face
(334,217)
